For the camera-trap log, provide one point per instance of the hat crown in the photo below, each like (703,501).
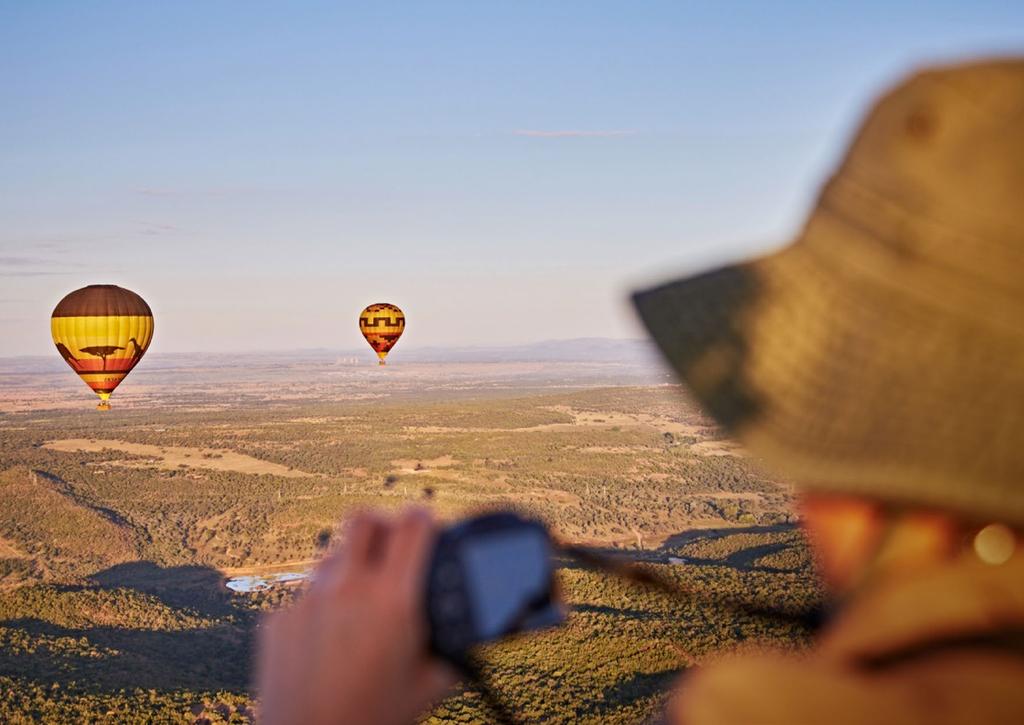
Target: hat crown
(929,196)
(948,145)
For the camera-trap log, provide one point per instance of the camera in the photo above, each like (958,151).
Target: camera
(490,577)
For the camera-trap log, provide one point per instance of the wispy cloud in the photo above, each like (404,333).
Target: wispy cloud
(59,246)
(155,228)
(168,191)
(571,133)
(150,191)
(34,273)
(11,261)
(26,266)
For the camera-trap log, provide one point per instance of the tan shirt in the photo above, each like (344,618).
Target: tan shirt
(937,647)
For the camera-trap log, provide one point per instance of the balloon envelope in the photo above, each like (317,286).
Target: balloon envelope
(102,331)
(382,324)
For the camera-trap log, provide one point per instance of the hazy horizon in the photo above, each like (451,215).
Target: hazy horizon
(566,349)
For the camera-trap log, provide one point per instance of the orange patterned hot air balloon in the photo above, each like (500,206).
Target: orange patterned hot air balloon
(382,324)
(102,331)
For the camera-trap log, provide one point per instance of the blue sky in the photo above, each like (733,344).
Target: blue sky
(506,172)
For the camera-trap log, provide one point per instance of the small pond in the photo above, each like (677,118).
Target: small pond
(255,582)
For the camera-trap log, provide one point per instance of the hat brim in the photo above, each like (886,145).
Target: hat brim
(841,381)
(694,322)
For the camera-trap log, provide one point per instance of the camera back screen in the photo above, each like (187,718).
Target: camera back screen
(506,574)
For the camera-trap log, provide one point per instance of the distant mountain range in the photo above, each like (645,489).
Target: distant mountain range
(584,349)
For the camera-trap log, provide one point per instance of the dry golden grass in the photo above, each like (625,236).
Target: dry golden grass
(173,457)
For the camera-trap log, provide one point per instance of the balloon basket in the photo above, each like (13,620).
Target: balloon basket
(104,405)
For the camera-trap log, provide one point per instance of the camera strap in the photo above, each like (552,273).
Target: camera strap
(470,666)
(811,619)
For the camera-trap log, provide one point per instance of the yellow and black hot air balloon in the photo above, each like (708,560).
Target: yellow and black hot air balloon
(102,331)
(382,324)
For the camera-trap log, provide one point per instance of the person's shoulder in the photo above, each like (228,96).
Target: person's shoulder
(778,689)
(767,689)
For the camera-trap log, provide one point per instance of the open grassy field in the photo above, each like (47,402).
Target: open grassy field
(118,531)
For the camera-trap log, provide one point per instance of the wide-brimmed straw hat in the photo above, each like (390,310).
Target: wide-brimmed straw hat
(882,353)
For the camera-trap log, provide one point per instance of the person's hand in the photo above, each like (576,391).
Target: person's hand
(353,649)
